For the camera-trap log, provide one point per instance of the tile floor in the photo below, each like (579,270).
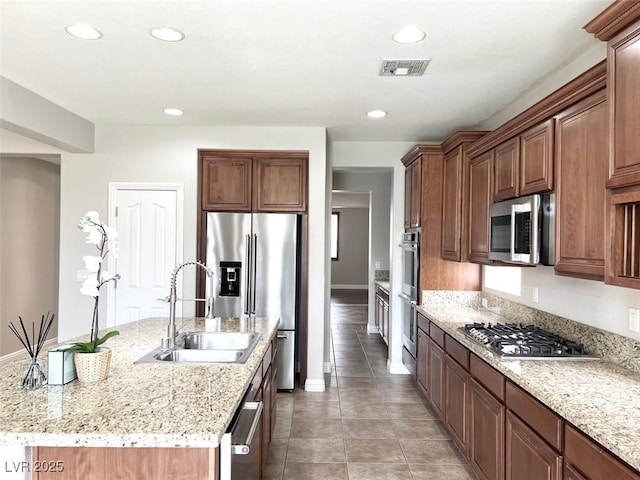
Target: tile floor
(367,425)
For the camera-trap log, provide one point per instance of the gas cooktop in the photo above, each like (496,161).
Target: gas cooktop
(512,341)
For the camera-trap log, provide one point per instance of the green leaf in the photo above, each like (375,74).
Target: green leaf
(107,337)
(87,347)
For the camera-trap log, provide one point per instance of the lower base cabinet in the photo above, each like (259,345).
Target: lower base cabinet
(486,433)
(436,377)
(456,402)
(528,457)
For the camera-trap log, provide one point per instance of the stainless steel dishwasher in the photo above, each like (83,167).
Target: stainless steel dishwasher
(239,449)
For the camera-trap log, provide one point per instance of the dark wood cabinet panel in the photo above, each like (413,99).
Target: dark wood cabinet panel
(382,313)
(581,169)
(436,377)
(280,184)
(407,197)
(456,394)
(422,361)
(486,433)
(527,456)
(571,473)
(586,458)
(226,183)
(489,378)
(457,351)
(237,181)
(536,159)
(480,199)
(623,240)
(507,170)
(452,205)
(623,69)
(416,193)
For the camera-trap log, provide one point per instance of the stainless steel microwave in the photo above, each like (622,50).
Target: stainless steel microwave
(522,230)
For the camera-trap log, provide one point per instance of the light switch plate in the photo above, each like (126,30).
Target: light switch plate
(634,319)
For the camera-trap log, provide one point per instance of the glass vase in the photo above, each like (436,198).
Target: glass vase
(33,376)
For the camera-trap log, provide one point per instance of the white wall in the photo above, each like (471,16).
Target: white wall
(169,154)
(351,269)
(585,301)
(383,154)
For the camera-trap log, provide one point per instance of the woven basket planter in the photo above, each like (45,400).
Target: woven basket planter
(93,367)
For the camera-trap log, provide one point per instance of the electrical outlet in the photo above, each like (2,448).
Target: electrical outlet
(634,320)
(534,294)
(485,303)
(378,265)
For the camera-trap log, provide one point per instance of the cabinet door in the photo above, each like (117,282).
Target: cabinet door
(385,322)
(622,237)
(581,162)
(436,377)
(486,433)
(480,199)
(226,183)
(536,159)
(422,352)
(416,192)
(280,184)
(267,385)
(623,78)
(452,205)
(456,402)
(528,457)
(407,196)
(570,473)
(507,170)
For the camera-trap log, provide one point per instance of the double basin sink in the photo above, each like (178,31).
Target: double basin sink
(206,347)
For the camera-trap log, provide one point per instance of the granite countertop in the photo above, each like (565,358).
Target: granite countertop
(600,398)
(144,405)
(384,285)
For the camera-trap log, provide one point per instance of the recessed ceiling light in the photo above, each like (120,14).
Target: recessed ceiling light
(167,34)
(176,112)
(409,35)
(83,31)
(376,114)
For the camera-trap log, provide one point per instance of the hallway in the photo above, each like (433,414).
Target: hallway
(367,425)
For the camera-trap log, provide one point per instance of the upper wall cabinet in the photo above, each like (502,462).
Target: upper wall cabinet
(412,188)
(480,199)
(507,170)
(236,181)
(455,194)
(581,169)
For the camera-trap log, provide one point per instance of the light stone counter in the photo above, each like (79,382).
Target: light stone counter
(384,285)
(598,397)
(145,405)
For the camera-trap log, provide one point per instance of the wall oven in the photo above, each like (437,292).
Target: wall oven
(410,289)
(522,230)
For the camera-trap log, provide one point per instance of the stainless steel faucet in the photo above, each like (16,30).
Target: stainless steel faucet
(173,298)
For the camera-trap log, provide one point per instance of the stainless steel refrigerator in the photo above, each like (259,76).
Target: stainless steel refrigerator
(255,260)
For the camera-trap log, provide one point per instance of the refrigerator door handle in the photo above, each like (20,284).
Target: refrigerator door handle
(254,249)
(247,262)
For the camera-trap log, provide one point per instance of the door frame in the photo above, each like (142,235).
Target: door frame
(114,189)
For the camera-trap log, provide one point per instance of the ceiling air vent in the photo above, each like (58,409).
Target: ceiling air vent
(403,68)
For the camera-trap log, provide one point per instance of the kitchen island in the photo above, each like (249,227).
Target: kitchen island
(599,398)
(187,407)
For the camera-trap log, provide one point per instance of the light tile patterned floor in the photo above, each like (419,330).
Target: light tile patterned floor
(367,425)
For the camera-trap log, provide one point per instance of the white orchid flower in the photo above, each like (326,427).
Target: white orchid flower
(106,276)
(114,251)
(92,263)
(90,286)
(94,236)
(92,216)
(112,233)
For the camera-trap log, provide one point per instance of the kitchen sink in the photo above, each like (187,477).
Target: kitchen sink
(220,340)
(206,347)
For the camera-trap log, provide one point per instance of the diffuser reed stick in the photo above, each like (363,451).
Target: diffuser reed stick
(34,376)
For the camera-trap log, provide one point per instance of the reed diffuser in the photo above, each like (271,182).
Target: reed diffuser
(33,375)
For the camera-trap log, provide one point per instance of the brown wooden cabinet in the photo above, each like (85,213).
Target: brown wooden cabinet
(422,361)
(581,163)
(528,457)
(245,181)
(536,159)
(480,199)
(506,170)
(436,377)
(412,189)
(623,70)
(456,394)
(382,313)
(455,191)
(486,433)
(623,241)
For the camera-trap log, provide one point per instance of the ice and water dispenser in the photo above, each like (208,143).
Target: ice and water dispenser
(230,279)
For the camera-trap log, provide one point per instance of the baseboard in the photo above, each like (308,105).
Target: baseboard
(372,329)
(397,368)
(22,353)
(327,367)
(349,287)
(314,385)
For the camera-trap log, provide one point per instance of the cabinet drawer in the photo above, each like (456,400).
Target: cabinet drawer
(492,380)
(545,422)
(437,334)
(423,323)
(457,351)
(592,460)
(266,360)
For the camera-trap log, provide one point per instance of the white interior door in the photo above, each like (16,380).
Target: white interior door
(148,238)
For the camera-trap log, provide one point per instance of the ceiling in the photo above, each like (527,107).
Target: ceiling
(292,62)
